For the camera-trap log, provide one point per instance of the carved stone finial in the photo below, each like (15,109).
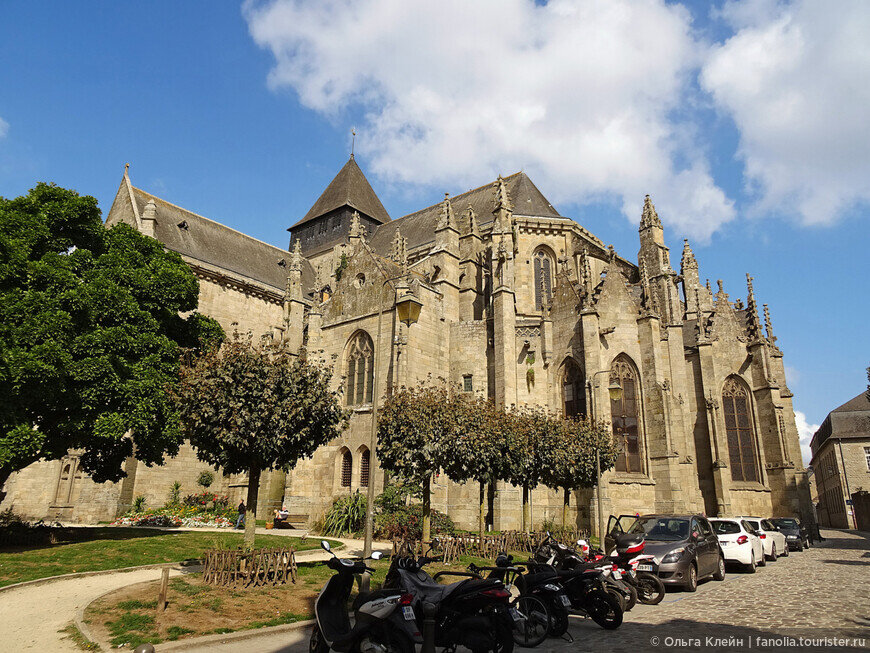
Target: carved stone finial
(753,325)
(400,252)
(446,220)
(296,256)
(688,261)
(611,253)
(649,217)
(502,200)
(473,227)
(150,212)
(768,326)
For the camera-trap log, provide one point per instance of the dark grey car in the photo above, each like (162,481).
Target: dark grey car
(685,547)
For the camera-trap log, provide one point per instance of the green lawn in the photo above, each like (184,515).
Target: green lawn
(114,548)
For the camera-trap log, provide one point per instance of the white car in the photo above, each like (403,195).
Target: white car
(739,543)
(773,541)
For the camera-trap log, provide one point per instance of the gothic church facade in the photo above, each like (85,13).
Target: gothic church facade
(519,303)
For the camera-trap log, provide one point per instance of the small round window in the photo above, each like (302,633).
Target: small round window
(360,280)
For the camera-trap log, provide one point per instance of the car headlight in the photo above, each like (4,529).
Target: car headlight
(674,555)
(791,537)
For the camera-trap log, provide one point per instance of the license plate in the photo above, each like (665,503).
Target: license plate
(517,615)
(644,567)
(565,601)
(408,612)
(617,575)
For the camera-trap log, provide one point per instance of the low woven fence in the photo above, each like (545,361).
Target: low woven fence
(451,548)
(249,568)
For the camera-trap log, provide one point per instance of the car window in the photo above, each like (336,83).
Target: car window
(748,527)
(695,527)
(725,527)
(663,529)
(765,523)
(786,523)
(705,527)
(754,524)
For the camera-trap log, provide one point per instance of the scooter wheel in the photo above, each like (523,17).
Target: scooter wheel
(604,608)
(317,644)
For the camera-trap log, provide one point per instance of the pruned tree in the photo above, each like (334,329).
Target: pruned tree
(415,429)
(535,431)
(569,462)
(92,324)
(483,448)
(249,407)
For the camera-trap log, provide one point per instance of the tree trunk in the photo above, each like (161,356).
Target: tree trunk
(565,503)
(527,509)
(481,522)
(251,505)
(427,509)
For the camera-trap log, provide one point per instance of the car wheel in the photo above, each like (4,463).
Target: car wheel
(763,561)
(800,547)
(773,552)
(786,551)
(720,570)
(751,568)
(692,583)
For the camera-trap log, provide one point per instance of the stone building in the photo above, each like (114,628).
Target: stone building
(841,463)
(519,303)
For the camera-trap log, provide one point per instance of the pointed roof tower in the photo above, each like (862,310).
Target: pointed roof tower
(349,188)
(649,217)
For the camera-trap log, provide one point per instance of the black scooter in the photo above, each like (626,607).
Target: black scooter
(374,630)
(473,613)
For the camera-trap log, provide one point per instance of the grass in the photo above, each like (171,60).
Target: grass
(79,639)
(114,548)
(128,617)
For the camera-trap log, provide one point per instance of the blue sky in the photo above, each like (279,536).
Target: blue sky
(744,123)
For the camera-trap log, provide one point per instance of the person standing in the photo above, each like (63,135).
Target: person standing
(242,510)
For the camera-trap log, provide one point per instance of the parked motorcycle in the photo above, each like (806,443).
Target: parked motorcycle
(474,612)
(374,628)
(639,570)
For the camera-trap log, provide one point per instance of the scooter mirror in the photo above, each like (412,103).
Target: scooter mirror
(325,545)
(377,555)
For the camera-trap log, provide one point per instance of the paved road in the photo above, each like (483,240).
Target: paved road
(822,592)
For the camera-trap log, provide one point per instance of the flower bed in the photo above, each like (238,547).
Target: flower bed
(189,516)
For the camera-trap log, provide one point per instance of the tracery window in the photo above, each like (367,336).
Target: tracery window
(346,467)
(543,277)
(625,415)
(360,369)
(741,436)
(573,392)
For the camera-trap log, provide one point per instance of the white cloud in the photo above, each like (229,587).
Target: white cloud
(806,431)
(579,93)
(4,128)
(794,79)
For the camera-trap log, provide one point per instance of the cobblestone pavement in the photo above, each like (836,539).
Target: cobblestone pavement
(822,592)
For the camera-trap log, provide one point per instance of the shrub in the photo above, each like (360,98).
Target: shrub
(9,518)
(346,515)
(207,500)
(407,523)
(139,504)
(206,478)
(394,497)
(174,497)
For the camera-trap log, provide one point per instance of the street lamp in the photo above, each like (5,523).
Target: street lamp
(408,311)
(615,392)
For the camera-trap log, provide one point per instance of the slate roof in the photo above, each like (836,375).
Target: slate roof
(349,188)
(220,246)
(859,403)
(419,227)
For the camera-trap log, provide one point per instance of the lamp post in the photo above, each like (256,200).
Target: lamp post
(408,311)
(614,390)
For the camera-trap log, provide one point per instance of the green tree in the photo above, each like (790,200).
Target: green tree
(415,431)
(570,463)
(91,330)
(535,431)
(250,407)
(483,447)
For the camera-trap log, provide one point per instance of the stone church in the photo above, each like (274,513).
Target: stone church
(517,302)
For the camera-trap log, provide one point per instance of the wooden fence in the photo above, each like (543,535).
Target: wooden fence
(453,547)
(245,568)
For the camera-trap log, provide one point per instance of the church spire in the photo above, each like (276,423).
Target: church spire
(768,327)
(688,261)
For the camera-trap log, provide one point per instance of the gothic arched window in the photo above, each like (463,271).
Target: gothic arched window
(346,467)
(360,369)
(364,466)
(741,436)
(573,392)
(543,277)
(625,414)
